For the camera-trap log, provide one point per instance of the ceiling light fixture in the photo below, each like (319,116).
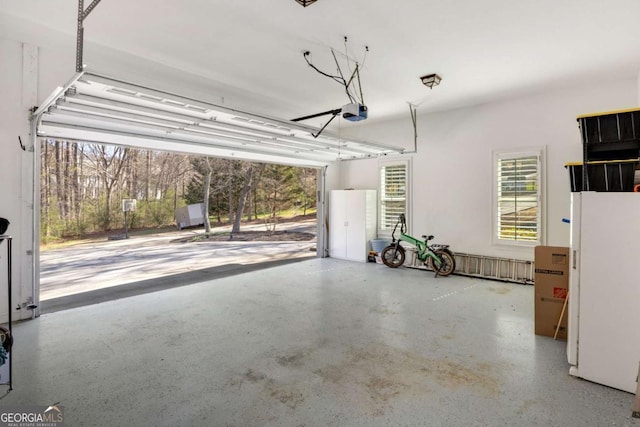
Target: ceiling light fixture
(431,80)
(306,3)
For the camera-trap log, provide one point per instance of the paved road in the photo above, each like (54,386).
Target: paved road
(93,266)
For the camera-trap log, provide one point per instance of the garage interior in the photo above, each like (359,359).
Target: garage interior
(451,92)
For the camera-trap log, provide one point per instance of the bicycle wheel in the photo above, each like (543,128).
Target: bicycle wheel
(447,266)
(393,256)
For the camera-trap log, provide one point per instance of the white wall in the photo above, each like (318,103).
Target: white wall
(452,171)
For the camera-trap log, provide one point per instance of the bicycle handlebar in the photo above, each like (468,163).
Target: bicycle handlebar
(403,226)
(402,221)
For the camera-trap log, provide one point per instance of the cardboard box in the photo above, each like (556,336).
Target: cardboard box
(551,288)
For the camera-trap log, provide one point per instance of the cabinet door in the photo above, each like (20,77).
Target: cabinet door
(356,226)
(337,224)
(608,344)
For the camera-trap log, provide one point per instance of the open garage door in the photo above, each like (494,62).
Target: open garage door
(93,108)
(101,110)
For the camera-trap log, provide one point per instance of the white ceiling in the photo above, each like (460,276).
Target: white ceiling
(483,49)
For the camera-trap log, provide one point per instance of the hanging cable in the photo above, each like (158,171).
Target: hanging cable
(356,72)
(359,85)
(353,75)
(346,84)
(355,110)
(364,59)
(336,78)
(353,94)
(346,53)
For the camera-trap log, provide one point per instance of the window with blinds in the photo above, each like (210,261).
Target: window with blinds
(393,195)
(518,210)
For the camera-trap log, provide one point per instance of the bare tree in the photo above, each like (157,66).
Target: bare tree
(307,184)
(207,188)
(276,184)
(255,181)
(65,181)
(109,163)
(58,166)
(243,197)
(81,184)
(132,173)
(75,190)
(45,192)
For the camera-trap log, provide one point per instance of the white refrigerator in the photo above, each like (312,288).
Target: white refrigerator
(604,290)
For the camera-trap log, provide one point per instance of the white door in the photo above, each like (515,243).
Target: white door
(574,279)
(356,227)
(338,224)
(609,340)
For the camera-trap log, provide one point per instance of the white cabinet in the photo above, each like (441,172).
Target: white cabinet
(352,223)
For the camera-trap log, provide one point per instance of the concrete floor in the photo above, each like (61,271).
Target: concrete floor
(320,342)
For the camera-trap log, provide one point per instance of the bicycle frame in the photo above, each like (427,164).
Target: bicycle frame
(423,250)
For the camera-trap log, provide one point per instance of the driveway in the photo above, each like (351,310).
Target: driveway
(92,266)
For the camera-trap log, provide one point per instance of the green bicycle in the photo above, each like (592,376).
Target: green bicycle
(436,257)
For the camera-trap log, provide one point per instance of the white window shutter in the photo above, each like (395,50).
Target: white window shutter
(518,200)
(393,194)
